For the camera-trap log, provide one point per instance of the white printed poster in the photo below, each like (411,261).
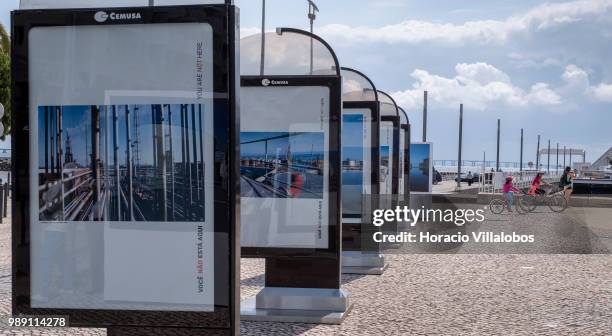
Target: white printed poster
(284,167)
(121,127)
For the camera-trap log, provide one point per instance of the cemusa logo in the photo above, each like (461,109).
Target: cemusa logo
(267,82)
(103,16)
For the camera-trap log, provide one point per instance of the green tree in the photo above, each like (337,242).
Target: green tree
(5,80)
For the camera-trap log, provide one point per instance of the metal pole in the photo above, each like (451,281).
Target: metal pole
(460,145)
(190,177)
(564,151)
(548,162)
(46,111)
(557,166)
(52,139)
(311,42)
(498,140)
(538,157)
(425,116)
(116,160)
(128,164)
(162,199)
(263,37)
(184,162)
(59,158)
(171,159)
(521,161)
(95,160)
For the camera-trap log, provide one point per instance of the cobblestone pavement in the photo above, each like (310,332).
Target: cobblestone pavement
(438,295)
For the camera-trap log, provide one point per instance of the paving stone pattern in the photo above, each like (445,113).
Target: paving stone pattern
(436,295)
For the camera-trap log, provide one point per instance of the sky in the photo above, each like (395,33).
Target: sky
(539,65)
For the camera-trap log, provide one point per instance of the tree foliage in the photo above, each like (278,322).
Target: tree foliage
(5,79)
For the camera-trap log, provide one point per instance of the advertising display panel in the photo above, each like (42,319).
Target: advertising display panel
(284,167)
(123,158)
(290,161)
(356,161)
(421,169)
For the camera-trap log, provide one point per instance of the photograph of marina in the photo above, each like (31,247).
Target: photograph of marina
(282,164)
(121,163)
(352,163)
(420,179)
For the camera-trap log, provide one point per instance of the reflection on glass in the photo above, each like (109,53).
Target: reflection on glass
(352,163)
(419,172)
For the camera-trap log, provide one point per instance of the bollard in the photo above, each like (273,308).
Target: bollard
(2,213)
(6,199)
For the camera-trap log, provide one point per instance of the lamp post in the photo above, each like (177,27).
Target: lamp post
(538,157)
(312,16)
(460,146)
(498,143)
(521,159)
(263,37)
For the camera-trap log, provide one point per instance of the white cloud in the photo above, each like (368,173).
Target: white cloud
(578,83)
(575,76)
(539,18)
(541,94)
(602,92)
(479,86)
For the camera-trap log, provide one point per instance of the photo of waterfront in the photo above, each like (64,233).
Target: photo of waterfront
(121,163)
(282,164)
(420,156)
(352,163)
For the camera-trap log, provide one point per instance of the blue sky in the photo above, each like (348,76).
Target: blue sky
(542,66)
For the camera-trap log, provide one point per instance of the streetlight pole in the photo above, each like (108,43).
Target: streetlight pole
(312,16)
(460,146)
(548,162)
(538,157)
(425,116)
(521,160)
(498,140)
(557,166)
(263,37)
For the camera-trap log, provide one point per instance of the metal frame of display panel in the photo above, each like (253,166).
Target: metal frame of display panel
(224,319)
(407,139)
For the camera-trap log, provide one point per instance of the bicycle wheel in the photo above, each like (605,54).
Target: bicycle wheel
(497,206)
(557,203)
(528,203)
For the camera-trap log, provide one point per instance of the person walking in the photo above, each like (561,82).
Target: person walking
(470,179)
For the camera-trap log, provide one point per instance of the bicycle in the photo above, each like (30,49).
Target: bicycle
(499,203)
(555,201)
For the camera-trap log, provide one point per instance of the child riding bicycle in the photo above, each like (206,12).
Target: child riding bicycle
(535,185)
(509,191)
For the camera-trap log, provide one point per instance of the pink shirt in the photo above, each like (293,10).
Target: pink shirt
(508,187)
